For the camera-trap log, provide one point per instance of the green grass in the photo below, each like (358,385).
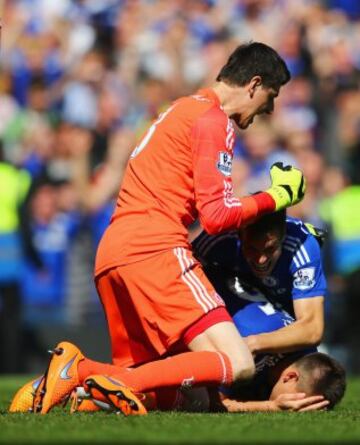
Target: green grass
(339,426)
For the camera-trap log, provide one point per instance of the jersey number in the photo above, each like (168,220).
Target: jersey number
(145,140)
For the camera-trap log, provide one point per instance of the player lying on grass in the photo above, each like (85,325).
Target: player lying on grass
(296,381)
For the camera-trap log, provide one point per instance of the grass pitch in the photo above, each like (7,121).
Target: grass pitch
(340,426)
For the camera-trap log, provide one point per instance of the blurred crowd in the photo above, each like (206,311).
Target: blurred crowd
(80,80)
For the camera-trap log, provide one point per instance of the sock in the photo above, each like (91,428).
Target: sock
(187,369)
(87,367)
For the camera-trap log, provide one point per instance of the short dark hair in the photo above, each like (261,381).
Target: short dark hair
(270,222)
(321,374)
(254,59)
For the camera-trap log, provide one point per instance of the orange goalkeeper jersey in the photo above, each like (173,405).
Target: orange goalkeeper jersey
(180,170)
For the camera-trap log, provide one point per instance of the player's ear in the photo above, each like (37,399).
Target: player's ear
(254,83)
(291,376)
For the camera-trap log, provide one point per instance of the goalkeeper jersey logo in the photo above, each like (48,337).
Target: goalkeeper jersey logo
(224,163)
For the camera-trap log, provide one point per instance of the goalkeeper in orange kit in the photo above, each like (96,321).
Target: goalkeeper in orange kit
(157,299)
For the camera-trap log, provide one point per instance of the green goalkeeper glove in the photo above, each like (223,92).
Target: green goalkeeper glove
(287,185)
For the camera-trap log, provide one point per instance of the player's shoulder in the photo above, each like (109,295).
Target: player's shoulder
(300,242)
(203,105)
(296,226)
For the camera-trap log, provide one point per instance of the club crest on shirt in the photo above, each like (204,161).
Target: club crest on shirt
(224,163)
(304,278)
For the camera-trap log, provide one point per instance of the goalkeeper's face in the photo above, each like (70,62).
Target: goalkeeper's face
(257,100)
(261,251)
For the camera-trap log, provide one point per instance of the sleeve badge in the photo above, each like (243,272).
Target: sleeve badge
(304,279)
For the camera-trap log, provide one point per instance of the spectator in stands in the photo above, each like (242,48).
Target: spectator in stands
(52,230)
(15,246)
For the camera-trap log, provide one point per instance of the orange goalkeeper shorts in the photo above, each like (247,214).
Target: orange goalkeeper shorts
(151,304)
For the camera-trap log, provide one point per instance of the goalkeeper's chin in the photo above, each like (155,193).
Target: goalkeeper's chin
(242,124)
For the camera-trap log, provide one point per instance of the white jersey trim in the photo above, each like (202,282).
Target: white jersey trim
(229,199)
(294,245)
(223,381)
(189,277)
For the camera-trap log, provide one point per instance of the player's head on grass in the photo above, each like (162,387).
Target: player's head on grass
(322,374)
(261,242)
(313,374)
(249,82)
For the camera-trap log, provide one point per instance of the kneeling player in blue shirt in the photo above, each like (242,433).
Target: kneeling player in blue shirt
(276,260)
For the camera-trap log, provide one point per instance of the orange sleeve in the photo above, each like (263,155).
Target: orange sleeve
(219,209)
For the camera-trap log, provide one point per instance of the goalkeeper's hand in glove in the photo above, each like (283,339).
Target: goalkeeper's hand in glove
(287,185)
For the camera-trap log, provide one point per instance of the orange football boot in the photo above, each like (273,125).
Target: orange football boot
(24,399)
(84,406)
(120,398)
(61,377)
(81,402)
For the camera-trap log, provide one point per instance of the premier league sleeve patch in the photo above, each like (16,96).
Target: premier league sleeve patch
(304,279)
(224,164)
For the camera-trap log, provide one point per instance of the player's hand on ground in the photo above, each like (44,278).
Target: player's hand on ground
(232,406)
(299,402)
(287,185)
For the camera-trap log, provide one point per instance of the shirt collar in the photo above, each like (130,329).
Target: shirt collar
(210,94)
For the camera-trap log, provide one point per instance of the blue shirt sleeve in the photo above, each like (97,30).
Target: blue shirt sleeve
(308,279)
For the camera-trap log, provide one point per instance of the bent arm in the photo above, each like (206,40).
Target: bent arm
(306,331)
(218,207)
(284,402)
(235,406)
